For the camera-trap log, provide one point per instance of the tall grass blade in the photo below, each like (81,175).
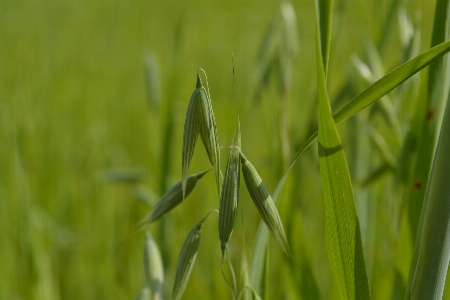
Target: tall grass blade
(431,118)
(343,234)
(432,251)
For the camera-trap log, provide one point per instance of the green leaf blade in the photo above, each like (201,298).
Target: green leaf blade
(432,247)
(390,81)
(374,92)
(430,114)
(325,9)
(343,235)
(432,250)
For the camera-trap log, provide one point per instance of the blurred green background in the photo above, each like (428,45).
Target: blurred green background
(75,117)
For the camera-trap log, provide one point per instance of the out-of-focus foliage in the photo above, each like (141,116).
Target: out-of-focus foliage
(104,85)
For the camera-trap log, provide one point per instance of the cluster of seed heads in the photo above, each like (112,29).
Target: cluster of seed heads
(200,121)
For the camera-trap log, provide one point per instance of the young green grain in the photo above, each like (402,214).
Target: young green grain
(263,202)
(200,120)
(186,260)
(229,198)
(172,198)
(191,132)
(208,130)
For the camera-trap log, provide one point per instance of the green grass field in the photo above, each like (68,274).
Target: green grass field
(74,112)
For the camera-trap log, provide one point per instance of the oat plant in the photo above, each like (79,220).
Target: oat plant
(344,235)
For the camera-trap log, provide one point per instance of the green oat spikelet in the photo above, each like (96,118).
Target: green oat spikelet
(263,202)
(186,259)
(208,130)
(200,120)
(229,198)
(191,132)
(172,198)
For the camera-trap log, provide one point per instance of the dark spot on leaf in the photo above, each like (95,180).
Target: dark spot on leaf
(430,114)
(417,185)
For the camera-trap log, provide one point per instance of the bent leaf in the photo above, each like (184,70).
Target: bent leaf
(373,93)
(390,81)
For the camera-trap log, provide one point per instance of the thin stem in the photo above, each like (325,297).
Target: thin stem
(284,128)
(232,288)
(234,87)
(232,272)
(243,290)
